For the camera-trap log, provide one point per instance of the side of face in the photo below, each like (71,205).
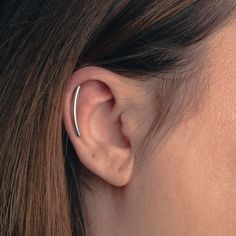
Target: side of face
(188,187)
(185,184)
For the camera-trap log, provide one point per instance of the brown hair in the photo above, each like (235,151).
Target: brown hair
(42,43)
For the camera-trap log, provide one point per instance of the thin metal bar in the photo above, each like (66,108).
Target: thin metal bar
(74,111)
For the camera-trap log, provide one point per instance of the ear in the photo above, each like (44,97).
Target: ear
(103,147)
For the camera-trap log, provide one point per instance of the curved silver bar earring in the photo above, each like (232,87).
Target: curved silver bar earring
(74,110)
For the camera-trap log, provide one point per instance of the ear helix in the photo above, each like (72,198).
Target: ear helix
(76,93)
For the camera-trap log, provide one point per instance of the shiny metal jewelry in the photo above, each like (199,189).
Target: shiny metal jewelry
(74,110)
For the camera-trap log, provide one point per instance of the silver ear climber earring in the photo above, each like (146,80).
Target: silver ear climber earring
(76,93)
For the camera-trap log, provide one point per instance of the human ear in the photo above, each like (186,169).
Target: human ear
(103,147)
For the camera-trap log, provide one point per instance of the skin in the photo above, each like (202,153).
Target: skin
(187,185)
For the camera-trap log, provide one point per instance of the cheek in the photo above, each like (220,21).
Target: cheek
(189,185)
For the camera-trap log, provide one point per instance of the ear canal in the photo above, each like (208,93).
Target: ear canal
(76,94)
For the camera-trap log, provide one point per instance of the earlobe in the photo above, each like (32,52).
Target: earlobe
(91,111)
